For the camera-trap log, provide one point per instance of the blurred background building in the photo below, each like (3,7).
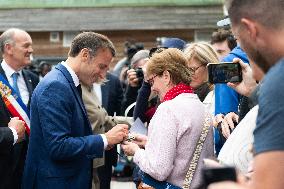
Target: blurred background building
(52,24)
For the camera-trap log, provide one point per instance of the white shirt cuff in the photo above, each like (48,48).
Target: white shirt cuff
(105,140)
(14,134)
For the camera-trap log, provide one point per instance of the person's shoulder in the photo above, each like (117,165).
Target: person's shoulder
(237,52)
(186,99)
(30,73)
(273,80)
(54,81)
(276,69)
(111,76)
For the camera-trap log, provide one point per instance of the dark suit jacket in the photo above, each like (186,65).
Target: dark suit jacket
(6,140)
(62,145)
(112,95)
(12,158)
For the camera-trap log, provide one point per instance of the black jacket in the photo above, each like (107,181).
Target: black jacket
(12,157)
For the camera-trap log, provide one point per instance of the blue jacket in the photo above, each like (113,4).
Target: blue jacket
(62,145)
(227,99)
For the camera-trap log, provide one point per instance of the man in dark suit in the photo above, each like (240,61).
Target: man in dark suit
(9,136)
(62,145)
(7,139)
(16,49)
(112,95)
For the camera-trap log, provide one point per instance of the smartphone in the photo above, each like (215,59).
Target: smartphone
(218,174)
(224,72)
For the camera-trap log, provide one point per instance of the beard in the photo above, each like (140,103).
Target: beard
(258,56)
(260,60)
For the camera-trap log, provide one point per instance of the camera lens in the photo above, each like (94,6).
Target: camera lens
(139,73)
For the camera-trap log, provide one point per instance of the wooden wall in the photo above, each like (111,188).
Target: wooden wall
(44,48)
(112,18)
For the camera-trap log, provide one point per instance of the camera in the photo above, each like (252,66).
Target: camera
(139,74)
(224,72)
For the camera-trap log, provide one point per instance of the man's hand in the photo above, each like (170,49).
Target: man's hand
(19,126)
(133,81)
(248,83)
(129,148)
(117,134)
(228,123)
(140,140)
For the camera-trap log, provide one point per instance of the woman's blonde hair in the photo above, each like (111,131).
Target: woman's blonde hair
(173,61)
(203,52)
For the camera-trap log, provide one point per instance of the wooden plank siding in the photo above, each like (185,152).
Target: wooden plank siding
(102,3)
(117,18)
(44,48)
(143,24)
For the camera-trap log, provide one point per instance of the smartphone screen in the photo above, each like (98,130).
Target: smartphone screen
(224,72)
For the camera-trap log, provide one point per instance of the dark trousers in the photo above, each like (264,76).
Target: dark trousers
(105,171)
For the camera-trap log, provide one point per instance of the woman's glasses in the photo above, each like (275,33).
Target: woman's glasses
(156,50)
(194,69)
(151,80)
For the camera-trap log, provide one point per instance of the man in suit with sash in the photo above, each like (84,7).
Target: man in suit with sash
(16,87)
(62,145)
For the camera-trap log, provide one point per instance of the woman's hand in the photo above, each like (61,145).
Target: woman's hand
(217,119)
(228,124)
(140,140)
(129,148)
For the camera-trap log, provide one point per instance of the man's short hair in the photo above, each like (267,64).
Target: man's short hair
(268,13)
(222,35)
(92,41)
(7,37)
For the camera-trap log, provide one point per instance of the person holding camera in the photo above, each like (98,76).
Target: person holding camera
(198,55)
(261,27)
(135,77)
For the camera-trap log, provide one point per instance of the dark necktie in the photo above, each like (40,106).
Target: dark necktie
(79,90)
(15,76)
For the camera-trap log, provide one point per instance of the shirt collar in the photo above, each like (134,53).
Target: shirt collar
(8,70)
(72,73)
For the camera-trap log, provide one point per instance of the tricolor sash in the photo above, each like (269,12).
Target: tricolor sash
(14,103)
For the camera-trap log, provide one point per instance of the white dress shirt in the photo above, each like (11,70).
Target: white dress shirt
(25,95)
(76,82)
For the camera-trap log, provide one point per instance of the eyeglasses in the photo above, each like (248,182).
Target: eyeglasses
(151,80)
(194,69)
(156,50)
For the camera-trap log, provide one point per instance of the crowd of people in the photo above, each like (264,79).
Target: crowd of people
(60,129)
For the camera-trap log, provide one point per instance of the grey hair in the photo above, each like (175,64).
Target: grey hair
(7,37)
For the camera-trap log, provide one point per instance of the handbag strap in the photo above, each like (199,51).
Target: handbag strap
(129,108)
(196,154)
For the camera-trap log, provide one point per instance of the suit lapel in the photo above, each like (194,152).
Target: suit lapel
(28,82)
(65,72)
(3,73)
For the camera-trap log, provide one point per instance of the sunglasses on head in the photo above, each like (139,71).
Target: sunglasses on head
(156,50)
